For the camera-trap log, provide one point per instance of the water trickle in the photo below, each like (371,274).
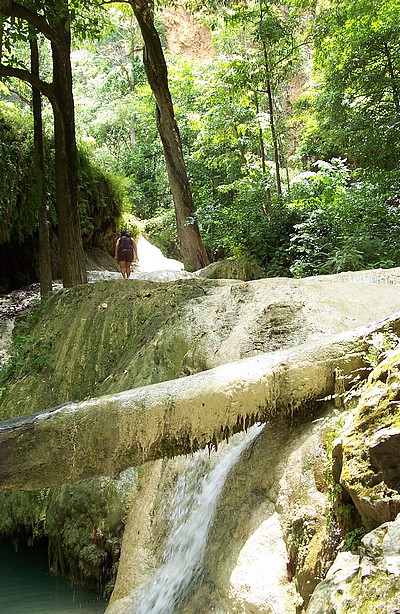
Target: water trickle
(193,509)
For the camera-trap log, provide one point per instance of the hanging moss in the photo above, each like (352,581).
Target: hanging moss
(83,524)
(101,198)
(18,210)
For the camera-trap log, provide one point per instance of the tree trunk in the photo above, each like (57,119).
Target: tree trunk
(265,206)
(393,80)
(193,252)
(69,228)
(44,239)
(260,135)
(272,123)
(55,27)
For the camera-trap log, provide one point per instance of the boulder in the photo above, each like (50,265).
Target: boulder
(364,582)
(233,268)
(367,460)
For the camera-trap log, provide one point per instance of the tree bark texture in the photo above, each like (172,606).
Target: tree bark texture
(69,229)
(59,92)
(45,276)
(193,252)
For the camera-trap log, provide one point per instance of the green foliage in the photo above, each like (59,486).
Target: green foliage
(18,213)
(101,194)
(115,114)
(357,100)
(352,539)
(86,19)
(346,224)
(379,345)
(335,218)
(102,200)
(331,221)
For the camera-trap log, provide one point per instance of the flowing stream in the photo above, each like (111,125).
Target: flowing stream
(192,512)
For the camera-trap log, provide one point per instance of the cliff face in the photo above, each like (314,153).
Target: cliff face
(287,505)
(286,535)
(185,35)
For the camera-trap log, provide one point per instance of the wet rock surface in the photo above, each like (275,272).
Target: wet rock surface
(365,582)
(368,454)
(181,328)
(10,306)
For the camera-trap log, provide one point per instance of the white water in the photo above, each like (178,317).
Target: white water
(193,509)
(151,258)
(152,265)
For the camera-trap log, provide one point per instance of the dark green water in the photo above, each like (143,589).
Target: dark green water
(27,587)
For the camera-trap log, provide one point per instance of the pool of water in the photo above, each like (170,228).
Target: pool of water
(27,586)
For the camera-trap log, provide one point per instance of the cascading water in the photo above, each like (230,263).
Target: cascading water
(193,509)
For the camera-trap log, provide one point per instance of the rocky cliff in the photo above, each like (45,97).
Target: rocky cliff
(304,492)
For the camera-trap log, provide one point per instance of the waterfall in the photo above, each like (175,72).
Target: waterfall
(193,509)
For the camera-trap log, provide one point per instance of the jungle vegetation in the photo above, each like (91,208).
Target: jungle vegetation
(286,129)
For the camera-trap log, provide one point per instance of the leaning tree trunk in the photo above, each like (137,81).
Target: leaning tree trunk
(45,276)
(69,229)
(193,252)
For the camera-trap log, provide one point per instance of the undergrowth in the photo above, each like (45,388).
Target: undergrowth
(29,354)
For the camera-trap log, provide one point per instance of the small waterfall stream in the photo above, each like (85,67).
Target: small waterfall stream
(193,509)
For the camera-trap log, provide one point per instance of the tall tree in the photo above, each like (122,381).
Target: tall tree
(266,38)
(281,32)
(193,252)
(45,274)
(52,19)
(358,58)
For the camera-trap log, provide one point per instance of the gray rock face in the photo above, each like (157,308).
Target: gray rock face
(384,456)
(367,459)
(231,331)
(368,582)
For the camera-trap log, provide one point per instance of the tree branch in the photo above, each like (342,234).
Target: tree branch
(24,75)
(21,97)
(291,51)
(9,8)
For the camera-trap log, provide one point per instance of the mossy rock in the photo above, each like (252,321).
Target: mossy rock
(235,268)
(96,339)
(83,524)
(370,463)
(366,582)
